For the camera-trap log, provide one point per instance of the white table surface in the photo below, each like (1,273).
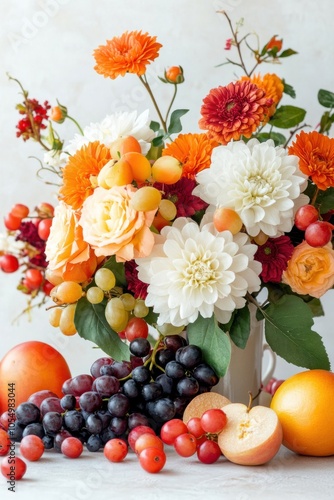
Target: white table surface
(93,477)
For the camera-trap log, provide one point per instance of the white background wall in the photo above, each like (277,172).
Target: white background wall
(48,45)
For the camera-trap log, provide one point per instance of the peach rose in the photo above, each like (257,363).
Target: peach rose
(310,270)
(112,227)
(69,256)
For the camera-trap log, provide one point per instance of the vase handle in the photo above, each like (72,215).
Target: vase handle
(269,371)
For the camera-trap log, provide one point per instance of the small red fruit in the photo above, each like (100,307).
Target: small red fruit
(115,450)
(71,447)
(11,222)
(9,263)
(4,442)
(136,328)
(171,429)
(213,420)
(136,432)
(20,211)
(13,468)
(152,459)
(185,444)
(208,452)
(306,215)
(44,228)
(32,447)
(319,233)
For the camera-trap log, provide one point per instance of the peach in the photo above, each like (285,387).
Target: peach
(122,145)
(115,174)
(166,170)
(251,436)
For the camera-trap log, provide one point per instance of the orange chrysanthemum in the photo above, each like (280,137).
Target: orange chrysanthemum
(273,87)
(80,171)
(193,151)
(129,53)
(316,157)
(234,111)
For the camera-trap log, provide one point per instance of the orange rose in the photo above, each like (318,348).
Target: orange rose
(112,227)
(310,270)
(69,256)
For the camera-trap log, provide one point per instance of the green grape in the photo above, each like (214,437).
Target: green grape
(94,295)
(167,209)
(105,279)
(67,292)
(116,316)
(128,300)
(140,310)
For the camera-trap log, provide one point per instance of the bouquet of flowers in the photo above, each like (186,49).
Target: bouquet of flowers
(183,231)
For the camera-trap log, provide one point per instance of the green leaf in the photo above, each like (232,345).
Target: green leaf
(287,116)
(118,269)
(325,200)
(155,126)
(289,90)
(158,141)
(279,139)
(175,123)
(287,53)
(326,98)
(326,122)
(288,332)
(214,342)
(240,328)
(92,325)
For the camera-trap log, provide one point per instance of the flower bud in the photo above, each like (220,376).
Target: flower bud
(174,74)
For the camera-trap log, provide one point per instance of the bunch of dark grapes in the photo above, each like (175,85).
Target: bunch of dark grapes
(152,388)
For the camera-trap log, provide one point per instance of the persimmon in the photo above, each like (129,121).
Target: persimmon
(30,367)
(304,404)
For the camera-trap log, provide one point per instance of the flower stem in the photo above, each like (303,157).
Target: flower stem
(76,123)
(148,88)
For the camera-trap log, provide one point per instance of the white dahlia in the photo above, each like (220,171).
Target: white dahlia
(193,270)
(113,127)
(261,182)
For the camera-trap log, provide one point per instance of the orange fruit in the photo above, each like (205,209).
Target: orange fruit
(123,145)
(304,404)
(140,165)
(30,367)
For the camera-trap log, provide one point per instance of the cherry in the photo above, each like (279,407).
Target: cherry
(12,223)
(306,215)
(9,263)
(319,233)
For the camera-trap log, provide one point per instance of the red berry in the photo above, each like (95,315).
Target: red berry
(9,263)
(71,447)
(136,327)
(152,459)
(213,420)
(20,211)
(32,447)
(44,228)
(136,432)
(11,222)
(185,445)
(115,450)
(208,452)
(33,279)
(171,429)
(319,233)
(13,468)
(306,215)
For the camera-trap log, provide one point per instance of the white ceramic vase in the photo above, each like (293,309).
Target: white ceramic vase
(250,368)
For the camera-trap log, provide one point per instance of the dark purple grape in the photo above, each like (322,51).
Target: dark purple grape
(68,402)
(163,356)
(141,375)
(52,422)
(175,370)
(161,410)
(119,369)
(118,425)
(73,420)
(189,356)
(94,424)
(151,391)
(48,441)
(187,386)
(105,417)
(140,347)
(98,363)
(15,431)
(50,404)
(106,385)
(205,375)
(35,429)
(136,361)
(90,401)
(136,419)
(167,384)
(131,389)
(27,413)
(94,443)
(174,342)
(180,403)
(118,405)
(106,435)
(77,385)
